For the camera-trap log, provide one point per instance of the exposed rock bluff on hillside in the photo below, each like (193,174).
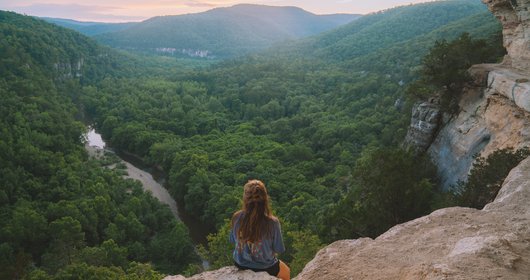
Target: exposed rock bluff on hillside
(452,243)
(490,118)
(424,124)
(495,111)
(512,78)
(515,18)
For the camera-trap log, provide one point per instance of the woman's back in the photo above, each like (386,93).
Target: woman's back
(257,234)
(261,253)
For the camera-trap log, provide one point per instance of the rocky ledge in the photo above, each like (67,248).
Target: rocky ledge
(509,82)
(514,16)
(452,243)
(226,273)
(495,111)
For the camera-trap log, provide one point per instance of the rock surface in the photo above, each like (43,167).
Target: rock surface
(452,243)
(226,273)
(515,18)
(512,84)
(424,125)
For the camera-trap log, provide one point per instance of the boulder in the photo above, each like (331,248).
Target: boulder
(226,273)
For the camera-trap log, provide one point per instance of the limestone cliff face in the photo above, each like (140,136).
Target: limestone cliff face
(69,70)
(511,79)
(490,118)
(494,111)
(452,243)
(515,18)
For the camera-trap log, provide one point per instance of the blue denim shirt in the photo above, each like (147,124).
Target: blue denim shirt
(260,254)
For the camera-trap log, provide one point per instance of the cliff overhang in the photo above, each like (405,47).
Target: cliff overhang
(514,16)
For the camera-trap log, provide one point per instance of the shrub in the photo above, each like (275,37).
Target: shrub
(486,177)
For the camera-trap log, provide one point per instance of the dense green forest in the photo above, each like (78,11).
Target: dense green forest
(320,121)
(62,214)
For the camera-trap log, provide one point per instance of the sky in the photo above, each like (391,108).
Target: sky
(137,10)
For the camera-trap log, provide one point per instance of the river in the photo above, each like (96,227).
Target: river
(95,146)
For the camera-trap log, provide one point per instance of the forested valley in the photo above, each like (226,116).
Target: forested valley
(319,120)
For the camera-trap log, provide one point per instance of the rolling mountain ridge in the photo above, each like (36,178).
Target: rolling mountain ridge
(90,28)
(223,32)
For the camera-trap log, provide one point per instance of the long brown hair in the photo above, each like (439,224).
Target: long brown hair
(257,220)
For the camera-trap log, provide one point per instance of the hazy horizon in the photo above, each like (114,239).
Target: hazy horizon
(138,10)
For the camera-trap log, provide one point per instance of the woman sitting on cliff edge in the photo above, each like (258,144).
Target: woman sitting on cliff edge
(257,234)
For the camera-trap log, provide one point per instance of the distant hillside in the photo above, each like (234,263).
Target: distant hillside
(90,28)
(35,46)
(395,40)
(403,57)
(386,28)
(223,32)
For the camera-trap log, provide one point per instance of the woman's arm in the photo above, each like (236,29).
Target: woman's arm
(277,239)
